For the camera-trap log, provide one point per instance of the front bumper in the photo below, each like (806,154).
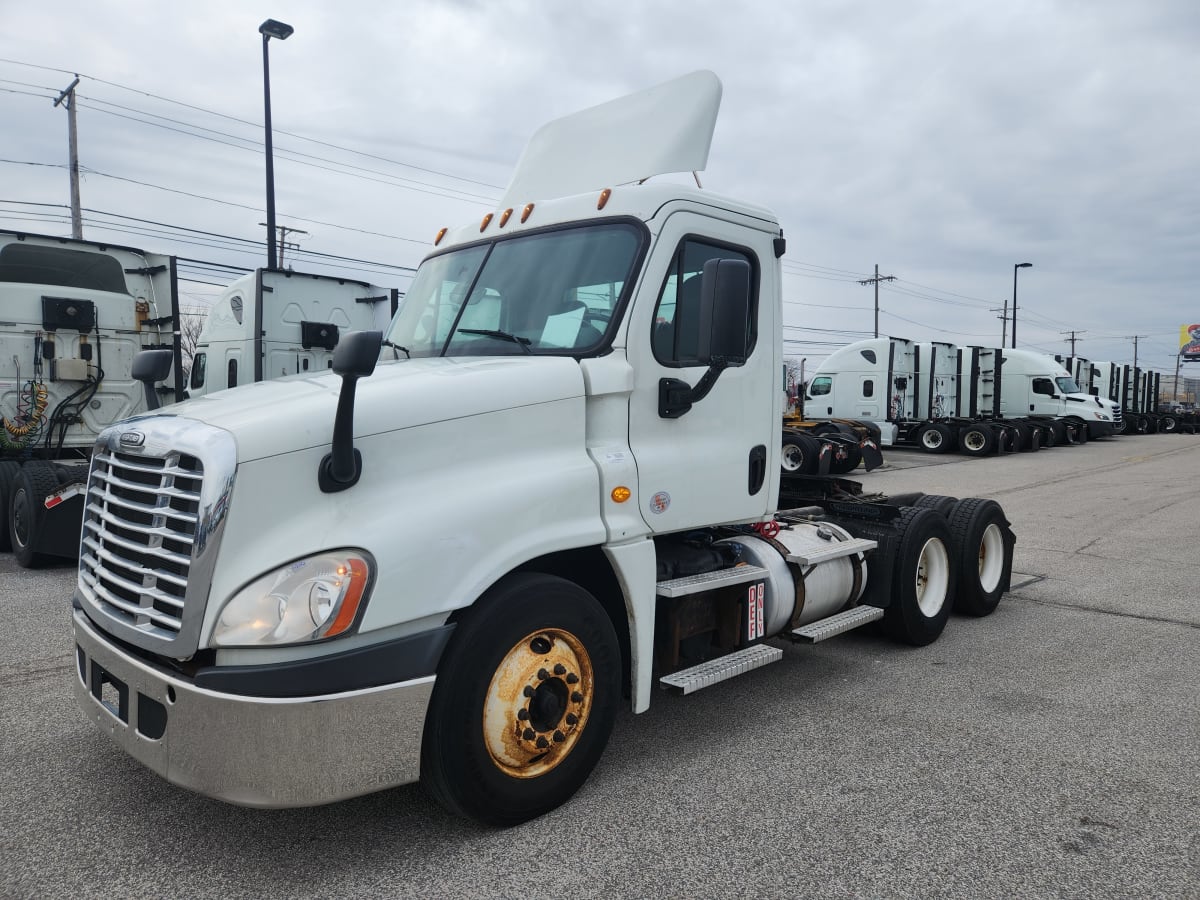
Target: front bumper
(252,751)
(1100,429)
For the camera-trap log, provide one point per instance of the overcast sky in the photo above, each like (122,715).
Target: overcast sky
(943,141)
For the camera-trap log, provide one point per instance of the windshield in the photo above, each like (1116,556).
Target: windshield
(1067,385)
(553,292)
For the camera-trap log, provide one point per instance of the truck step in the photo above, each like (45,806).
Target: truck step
(835,550)
(688,681)
(823,629)
(707,581)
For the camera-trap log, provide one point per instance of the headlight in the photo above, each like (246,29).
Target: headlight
(1101,416)
(308,600)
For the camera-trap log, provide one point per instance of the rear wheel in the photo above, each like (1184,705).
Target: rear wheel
(977,440)
(26,511)
(524,701)
(983,547)
(924,584)
(799,455)
(8,475)
(935,438)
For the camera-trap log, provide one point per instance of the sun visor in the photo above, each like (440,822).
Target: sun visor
(663,129)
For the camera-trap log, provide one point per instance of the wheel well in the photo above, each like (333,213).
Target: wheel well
(589,568)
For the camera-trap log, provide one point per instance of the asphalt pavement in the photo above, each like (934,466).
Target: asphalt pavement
(1049,750)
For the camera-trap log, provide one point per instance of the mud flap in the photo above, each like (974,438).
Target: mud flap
(59,531)
(825,457)
(871,456)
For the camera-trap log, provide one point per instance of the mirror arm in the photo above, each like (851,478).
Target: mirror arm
(675,397)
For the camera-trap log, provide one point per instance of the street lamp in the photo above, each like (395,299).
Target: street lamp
(270,29)
(1017,266)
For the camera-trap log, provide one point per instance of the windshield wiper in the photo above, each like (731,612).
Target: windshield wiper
(521,342)
(397,347)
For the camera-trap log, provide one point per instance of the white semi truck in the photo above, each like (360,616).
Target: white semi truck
(551,483)
(73,316)
(274,322)
(938,396)
(1134,390)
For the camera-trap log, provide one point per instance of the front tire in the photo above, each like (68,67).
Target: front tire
(524,702)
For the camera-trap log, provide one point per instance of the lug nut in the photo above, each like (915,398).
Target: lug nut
(572,719)
(572,678)
(523,714)
(543,674)
(529,734)
(542,743)
(528,692)
(559,737)
(576,697)
(560,669)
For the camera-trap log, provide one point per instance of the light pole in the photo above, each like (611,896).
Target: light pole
(270,29)
(1014,316)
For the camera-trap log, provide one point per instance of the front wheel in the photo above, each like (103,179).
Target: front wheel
(524,702)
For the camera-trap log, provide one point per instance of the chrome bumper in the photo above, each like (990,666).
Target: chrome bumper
(252,751)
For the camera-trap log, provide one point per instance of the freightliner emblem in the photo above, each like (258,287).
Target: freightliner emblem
(132,439)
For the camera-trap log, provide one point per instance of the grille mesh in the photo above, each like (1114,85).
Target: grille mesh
(139,528)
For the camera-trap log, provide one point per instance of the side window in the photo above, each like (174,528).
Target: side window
(199,364)
(1043,386)
(676,334)
(232,373)
(868,388)
(820,386)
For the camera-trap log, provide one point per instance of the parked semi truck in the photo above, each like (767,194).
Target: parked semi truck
(73,315)
(76,315)
(1134,390)
(552,482)
(273,322)
(938,396)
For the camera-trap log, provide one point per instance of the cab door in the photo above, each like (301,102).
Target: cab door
(717,462)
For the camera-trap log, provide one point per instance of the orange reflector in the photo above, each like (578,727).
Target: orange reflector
(441,234)
(486,221)
(526,212)
(354,595)
(505,216)
(621,494)
(604,195)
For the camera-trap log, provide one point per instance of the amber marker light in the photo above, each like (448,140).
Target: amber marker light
(357,574)
(441,234)
(487,220)
(604,195)
(526,212)
(505,216)
(621,494)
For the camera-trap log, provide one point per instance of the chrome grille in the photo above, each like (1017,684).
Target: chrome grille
(141,518)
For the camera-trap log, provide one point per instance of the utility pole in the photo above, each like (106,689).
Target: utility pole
(67,99)
(1003,317)
(284,231)
(1134,338)
(1072,339)
(875,281)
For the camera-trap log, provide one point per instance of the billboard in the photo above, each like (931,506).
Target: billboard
(1189,343)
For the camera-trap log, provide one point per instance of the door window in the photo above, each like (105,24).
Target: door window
(677,317)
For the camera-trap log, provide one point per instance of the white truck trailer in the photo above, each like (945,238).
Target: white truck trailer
(552,482)
(938,396)
(73,315)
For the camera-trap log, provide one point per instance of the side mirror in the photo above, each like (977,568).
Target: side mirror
(354,358)
(148,367)
(724,332)
(724,312)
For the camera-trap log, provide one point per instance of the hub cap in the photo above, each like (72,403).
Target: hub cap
(538,703)
(991,558)
(933,577)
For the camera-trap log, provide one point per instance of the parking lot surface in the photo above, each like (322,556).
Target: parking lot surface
(1048,750)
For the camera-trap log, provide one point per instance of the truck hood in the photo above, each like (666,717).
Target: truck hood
(297,412)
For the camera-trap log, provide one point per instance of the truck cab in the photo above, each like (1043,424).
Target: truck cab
(1035,384)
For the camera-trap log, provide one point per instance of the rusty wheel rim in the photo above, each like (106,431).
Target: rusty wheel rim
(537,703)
